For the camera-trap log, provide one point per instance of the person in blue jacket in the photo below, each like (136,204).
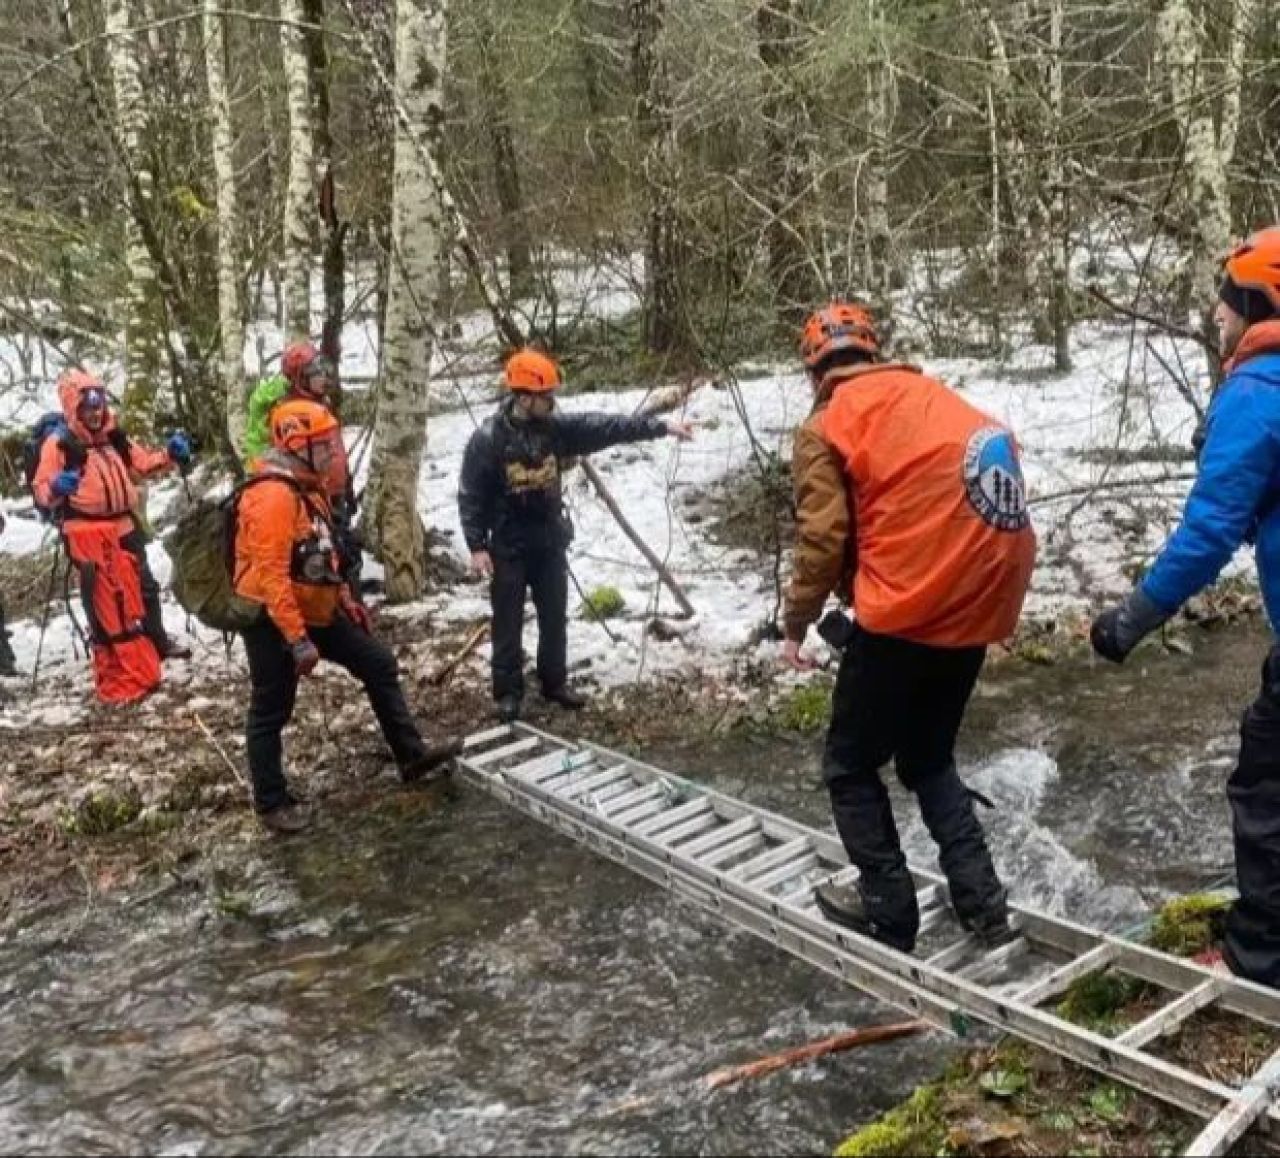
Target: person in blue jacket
(1235,499)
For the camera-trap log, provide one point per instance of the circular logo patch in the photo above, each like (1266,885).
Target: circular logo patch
(993,479)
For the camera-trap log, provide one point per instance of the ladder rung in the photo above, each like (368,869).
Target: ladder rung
(806,862)
(703,822)
(564,780)
(931,918)
(1099,957)
(546,768)
(642,811)
(713,839)
(548,764)
(1172,1015)
(719,856)
(495,754)
(611,793)
(596,781)
(775,856)
(628,800)
(686,811)
(994,957)
(478,738)
(930,897)
(954,953)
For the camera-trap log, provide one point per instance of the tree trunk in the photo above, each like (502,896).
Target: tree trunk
(143,341)
(789,180)
(417,228)
(666,320)
(299,194)
(496,104)
(333,229)
(878,267)
(1059,221)
(230,228)
(1207,152)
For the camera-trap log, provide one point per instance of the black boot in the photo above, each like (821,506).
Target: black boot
(8,661)
(508,709)
(435,762)
(978,897)
(286,820)
(566,697)
(844,904)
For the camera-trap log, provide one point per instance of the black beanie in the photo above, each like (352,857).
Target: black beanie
(1251,304)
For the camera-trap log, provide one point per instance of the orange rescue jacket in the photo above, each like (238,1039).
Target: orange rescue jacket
(273,518)
(944,544)
(107,481)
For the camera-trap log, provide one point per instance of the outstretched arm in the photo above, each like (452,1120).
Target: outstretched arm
(580,434)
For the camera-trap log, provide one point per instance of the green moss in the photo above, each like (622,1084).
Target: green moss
(603,603)
(100,813)
(915,1127)
(1095,1001)
(804,709)
(1189,925)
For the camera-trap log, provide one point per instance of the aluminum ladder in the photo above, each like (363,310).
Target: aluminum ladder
(757,871)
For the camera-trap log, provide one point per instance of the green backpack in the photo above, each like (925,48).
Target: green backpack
(202,547)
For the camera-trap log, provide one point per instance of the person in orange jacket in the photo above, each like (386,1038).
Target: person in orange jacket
(915,499)
(286,561)
(87,475)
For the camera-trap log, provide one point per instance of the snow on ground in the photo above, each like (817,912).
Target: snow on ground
(1078,431)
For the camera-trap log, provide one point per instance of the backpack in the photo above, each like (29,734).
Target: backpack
(202,547)
(54,425)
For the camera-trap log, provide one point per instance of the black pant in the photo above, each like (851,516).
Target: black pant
(904,701)
(152,619)
(1252,944)
(8,661)
(544,572)
(274,683)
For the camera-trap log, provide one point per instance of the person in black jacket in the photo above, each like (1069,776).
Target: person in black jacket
(514,520)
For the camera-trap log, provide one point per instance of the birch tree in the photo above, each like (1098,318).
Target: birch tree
(143,344)
(1207,149)
(418,228)
(230,307)
(299,193)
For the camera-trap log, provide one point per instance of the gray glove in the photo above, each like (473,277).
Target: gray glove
(1118,631)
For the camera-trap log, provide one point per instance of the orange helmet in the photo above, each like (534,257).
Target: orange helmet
(298,422)
(295,360)
(532,371)
(839,326)
(1255,265)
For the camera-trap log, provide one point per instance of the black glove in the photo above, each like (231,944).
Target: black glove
(1118,631)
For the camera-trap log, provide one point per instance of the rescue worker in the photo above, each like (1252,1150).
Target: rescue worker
(307,373)
(8,661)
(285,560)
(909,502)
(1235,499)
(515,523)
(89,478)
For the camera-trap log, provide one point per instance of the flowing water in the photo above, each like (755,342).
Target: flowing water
(454,978)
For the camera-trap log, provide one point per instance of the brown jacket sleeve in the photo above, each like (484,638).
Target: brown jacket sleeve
(824,529)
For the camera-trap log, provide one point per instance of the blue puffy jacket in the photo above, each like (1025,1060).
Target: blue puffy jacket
(1236,495)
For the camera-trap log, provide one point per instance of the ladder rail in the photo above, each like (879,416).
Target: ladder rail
(944,998)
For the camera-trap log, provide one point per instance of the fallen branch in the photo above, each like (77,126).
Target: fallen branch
(438,678)
(851,1039)
(664,573)
(213,743)
(672,398)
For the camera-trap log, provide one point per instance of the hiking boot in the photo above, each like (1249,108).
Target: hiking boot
(991,930)
(508,709)
(566,697)
(287,819)
(843,905)
(435,762)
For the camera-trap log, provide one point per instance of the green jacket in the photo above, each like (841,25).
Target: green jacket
(257,436)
